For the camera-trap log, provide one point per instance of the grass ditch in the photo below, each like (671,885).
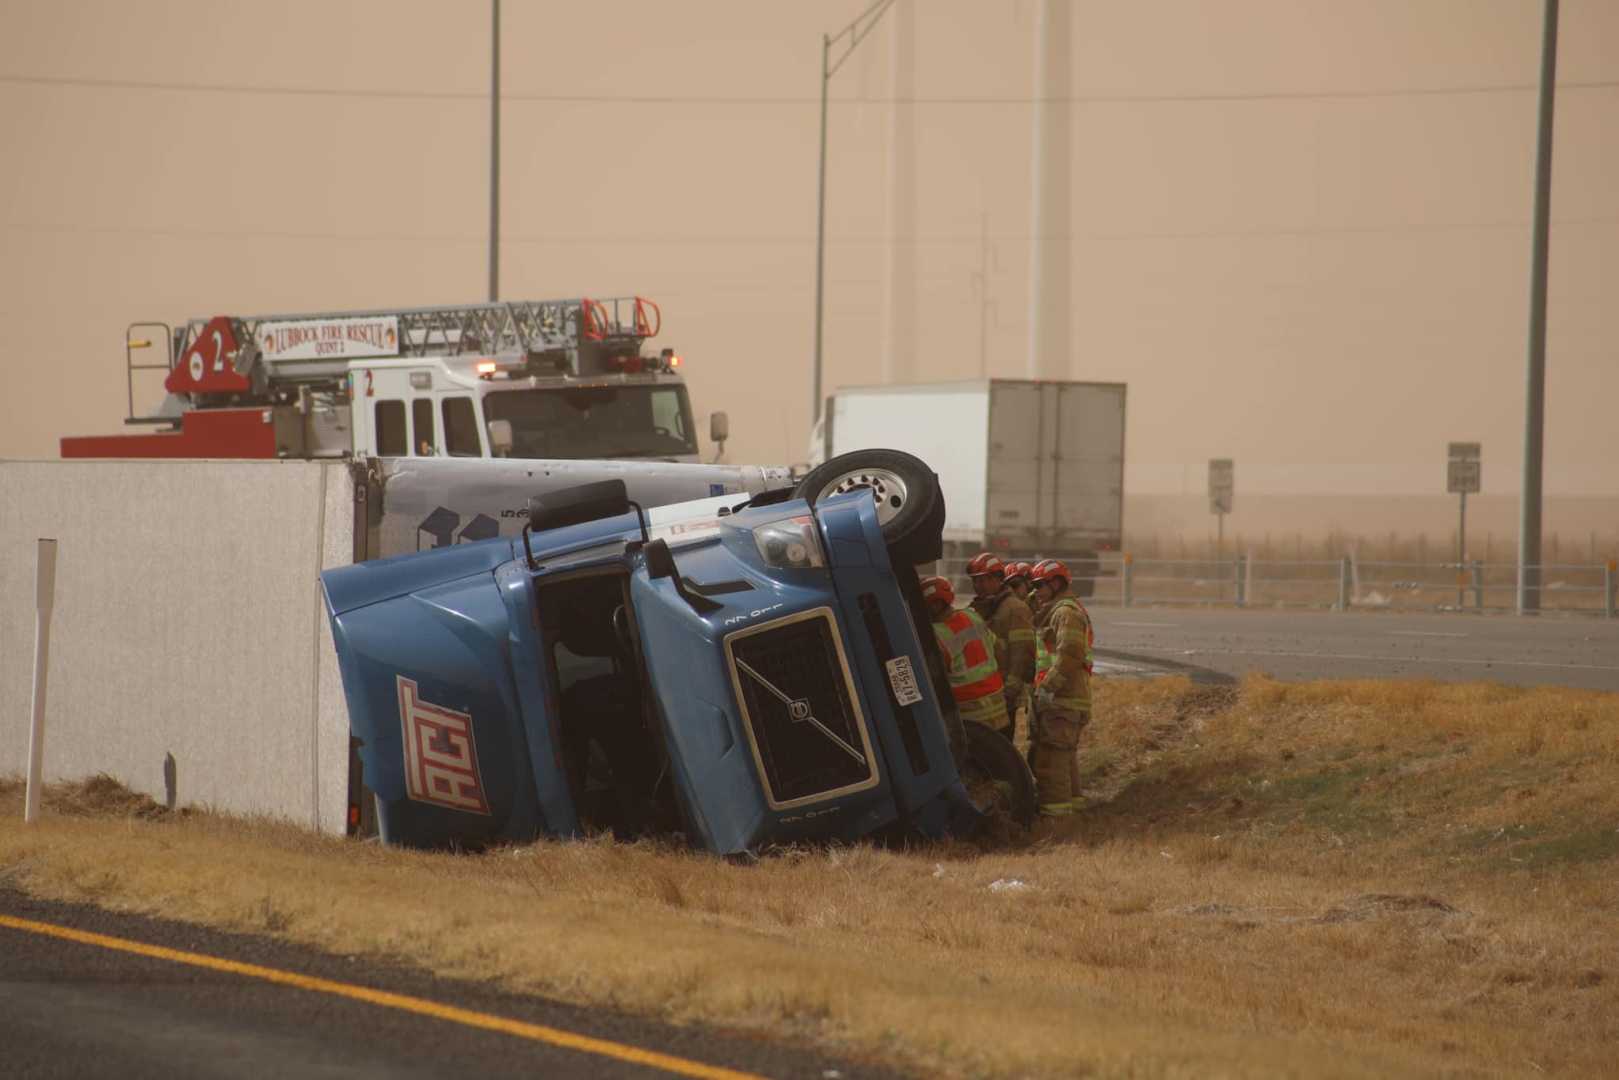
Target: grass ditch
(1345,878)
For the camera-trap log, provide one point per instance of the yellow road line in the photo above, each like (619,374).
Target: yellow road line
(404,1002)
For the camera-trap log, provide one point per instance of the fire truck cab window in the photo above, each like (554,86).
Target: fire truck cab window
(421,418)
(391,440)
(460,428)
(645,420)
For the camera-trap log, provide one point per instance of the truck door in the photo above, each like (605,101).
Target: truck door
(1087,459)
(1018,459)
(440,671)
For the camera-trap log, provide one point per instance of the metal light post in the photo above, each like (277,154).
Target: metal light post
(1529,570)
(494,153)
(850,36)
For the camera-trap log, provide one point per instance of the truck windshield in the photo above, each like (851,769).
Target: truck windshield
(596,421)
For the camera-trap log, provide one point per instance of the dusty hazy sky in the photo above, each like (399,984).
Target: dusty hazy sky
(1300,229)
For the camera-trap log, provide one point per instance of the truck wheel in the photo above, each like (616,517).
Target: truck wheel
(998,780)
(910,506)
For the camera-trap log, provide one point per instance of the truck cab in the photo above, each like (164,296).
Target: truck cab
(497,407)
(740,672)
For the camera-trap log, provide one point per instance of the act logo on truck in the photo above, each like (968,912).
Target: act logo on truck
(441,762)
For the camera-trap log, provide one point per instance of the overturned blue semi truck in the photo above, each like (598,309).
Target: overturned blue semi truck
(742,672)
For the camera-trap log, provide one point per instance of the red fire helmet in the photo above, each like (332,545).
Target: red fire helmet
(1050,570)
(986,563)
(937,588)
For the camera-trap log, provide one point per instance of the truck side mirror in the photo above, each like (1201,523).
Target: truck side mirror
(719,427)
(500,437)
(660,561)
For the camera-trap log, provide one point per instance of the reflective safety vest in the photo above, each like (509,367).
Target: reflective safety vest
(975,678)
(1042,652)
(1074,690)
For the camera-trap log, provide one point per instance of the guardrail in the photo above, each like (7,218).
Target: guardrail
(1342,584)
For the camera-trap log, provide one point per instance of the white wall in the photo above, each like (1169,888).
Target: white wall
(188,622)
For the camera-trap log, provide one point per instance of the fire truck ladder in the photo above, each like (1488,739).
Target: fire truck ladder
(515,326)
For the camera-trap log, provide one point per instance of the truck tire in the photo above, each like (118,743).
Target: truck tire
(998,780)
(910,504)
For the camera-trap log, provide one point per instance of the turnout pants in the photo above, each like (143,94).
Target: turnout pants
(989,710)
(1052,752)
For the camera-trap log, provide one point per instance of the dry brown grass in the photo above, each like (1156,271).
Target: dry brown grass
(1319,879)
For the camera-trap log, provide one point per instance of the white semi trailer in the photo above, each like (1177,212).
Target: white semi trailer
(1027,467)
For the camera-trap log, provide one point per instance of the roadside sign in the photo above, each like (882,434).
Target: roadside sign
(1463,473)
(1222,485)
(1465,469)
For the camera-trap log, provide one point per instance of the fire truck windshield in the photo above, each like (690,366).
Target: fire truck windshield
(596,421)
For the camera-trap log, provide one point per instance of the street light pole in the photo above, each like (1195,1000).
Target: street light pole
(850,36)
(820,233)
(494,153)
(1529,569)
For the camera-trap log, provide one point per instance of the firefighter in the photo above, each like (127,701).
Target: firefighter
(1021,578)
(969,651)
(1017,579)
(1062,698)
(1013,625)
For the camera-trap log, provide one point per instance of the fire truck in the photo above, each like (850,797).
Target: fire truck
(554,379)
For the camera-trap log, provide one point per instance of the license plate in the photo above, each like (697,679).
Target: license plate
(902,677)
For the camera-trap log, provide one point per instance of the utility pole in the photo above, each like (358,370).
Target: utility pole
(1049,212)
(1529,569)
(849,37)
(898,361)
(985,304)
(494,152)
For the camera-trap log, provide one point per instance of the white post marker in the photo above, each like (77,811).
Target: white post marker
(44,600)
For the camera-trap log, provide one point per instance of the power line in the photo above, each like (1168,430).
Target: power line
(713,100)
(792,239)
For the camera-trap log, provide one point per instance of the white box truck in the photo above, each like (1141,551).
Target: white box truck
(1027,467)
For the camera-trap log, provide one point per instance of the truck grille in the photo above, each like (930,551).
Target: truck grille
(799,706)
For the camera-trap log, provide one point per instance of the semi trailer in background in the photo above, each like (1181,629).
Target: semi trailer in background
(1028,467)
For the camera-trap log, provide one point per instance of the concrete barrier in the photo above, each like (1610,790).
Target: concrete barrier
(188,623)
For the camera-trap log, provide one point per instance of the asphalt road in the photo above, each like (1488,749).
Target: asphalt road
(1559,651)
(69,1009)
